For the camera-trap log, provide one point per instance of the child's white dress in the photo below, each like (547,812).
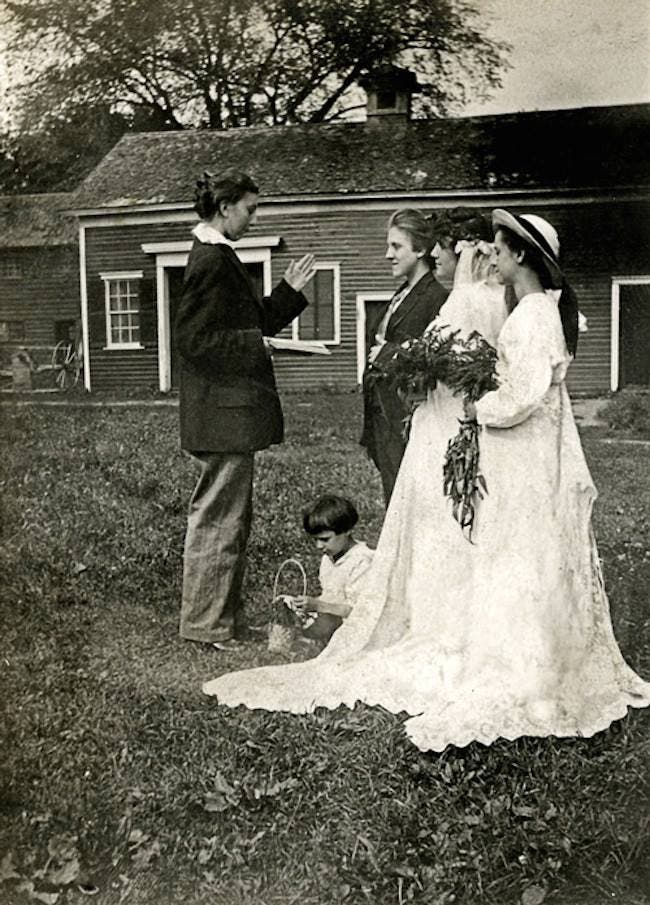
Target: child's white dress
(341,580)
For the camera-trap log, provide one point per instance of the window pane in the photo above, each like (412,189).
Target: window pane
(306,323)
(317,321)
(123,311)
(256,273)
(386,99)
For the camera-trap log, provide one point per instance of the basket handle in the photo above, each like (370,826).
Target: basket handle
(287,562)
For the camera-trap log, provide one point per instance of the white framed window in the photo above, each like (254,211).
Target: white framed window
(122,300)
(321,320)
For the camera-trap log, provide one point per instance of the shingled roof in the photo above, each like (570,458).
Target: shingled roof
(596,147)
(27,220)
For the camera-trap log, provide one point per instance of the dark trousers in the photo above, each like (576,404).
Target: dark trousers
(323,627)
(218,526)
(387,451)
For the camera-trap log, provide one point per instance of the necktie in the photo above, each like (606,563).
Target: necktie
(394,302)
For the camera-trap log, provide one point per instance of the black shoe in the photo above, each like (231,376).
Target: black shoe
(251,633)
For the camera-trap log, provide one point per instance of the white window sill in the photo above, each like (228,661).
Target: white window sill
(320,342)
(121,346)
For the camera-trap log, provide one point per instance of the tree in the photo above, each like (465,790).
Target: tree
(59,154)
(226,63)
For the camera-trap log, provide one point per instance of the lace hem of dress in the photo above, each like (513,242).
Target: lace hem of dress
(460,722)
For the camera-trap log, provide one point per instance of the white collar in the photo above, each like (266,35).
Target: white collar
(207,234)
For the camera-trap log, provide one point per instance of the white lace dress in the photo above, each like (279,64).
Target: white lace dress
(510,635)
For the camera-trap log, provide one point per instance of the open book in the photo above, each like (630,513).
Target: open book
(304,347)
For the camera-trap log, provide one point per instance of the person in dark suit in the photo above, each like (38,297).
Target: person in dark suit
(229,405)
(412,308)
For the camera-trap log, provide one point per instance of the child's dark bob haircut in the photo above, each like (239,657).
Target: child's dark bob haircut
(330,513)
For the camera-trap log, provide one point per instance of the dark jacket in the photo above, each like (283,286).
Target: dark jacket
(228,397)
(410,320)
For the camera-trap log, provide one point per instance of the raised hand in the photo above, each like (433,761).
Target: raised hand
(299,273)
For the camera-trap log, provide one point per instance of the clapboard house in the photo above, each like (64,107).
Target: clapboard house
(39,271)
(329,189)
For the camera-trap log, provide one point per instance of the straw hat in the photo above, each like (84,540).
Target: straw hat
(536,232)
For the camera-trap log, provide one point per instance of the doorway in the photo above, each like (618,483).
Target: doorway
(634,318)
(174,293)
(175,290)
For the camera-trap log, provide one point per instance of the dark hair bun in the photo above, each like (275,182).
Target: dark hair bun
(461,223)
(205,203)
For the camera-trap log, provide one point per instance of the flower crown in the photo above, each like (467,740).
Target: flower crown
(480,245)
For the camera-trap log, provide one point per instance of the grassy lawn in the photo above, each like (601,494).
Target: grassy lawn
(117,772)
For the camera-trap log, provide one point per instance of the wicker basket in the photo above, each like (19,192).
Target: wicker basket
(284,624)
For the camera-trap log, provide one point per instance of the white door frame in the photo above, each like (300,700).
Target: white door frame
(164,261)
(362,298)
(617,282)
(175,254)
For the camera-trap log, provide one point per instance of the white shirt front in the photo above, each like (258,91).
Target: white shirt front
(380,335)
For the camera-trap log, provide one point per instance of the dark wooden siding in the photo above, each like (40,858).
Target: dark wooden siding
(44,289)
(115,369)
(599,241)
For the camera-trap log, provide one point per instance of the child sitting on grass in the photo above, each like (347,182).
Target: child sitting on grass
(345,561)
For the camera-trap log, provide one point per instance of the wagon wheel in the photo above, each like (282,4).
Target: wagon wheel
(66,364)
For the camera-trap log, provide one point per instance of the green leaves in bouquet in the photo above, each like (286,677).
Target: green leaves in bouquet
(472,367)
(462,481)
(418,364)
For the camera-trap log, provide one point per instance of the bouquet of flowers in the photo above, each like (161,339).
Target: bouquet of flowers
(419,363)
(468,367)
(472,374)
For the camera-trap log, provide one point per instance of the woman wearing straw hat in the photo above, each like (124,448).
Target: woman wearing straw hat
(508,636)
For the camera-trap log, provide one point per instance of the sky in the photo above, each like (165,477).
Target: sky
(569,53)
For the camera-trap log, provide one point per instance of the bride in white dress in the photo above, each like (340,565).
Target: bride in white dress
(509,635)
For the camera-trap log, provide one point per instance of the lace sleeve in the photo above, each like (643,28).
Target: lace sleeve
(527,356)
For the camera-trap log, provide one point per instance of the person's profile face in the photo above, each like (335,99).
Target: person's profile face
(506,261)
(240,215)
(330,543)
(445,260)
(401,254)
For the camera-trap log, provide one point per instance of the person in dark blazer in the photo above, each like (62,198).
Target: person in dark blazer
(412,308)
(229,405)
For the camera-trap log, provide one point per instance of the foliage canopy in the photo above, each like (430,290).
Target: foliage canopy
(174,64)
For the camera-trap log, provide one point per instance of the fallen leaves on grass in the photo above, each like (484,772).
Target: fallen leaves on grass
(143,849)
(223,797)
(533,895)
(7,869)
